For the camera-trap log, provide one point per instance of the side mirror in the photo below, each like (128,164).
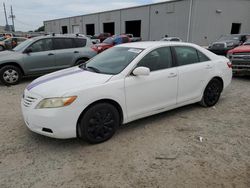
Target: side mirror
(28,50)
(141,71)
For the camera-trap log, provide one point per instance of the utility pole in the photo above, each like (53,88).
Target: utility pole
(7,25)
(12,17)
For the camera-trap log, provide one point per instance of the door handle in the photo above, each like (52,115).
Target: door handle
(76,52)
(172,75)
(50,54)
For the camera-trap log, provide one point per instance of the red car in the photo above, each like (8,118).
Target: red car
(240,58)
(101,36)
(110,42)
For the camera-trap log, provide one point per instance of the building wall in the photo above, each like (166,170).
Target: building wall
(169,18)
(208,25)
(114,16)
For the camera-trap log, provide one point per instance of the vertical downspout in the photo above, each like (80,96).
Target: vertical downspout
(149,24)
(189,20)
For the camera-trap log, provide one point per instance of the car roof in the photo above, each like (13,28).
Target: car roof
(58,36)
(152,44)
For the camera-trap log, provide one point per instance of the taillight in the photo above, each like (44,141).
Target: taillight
(94,48)
(229,64)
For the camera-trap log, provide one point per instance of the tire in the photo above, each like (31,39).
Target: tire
(99,123)
(212,93)
(10,75)
(1,48)
(81,61)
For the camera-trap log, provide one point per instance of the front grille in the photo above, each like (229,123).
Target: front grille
(28,101)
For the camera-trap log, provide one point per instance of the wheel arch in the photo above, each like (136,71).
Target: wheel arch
(109,101)
(13,64)
(81,58)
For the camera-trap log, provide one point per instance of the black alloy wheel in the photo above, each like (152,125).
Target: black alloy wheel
(99,123)
(212,93)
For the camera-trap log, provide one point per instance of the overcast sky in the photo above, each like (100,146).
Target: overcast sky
(30,14)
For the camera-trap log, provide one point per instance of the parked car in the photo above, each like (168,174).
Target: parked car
(41,55)
(110,42)
(125,83)
(240,58)
(101,36)
(133,38)
(227,42)
(173,39)
(11,43)
(93,39)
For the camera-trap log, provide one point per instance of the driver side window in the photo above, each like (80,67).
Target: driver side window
(158,59)
(41,45)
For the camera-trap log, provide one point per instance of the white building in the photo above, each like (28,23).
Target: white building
(198,21)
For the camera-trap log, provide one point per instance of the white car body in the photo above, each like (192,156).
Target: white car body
(137,96)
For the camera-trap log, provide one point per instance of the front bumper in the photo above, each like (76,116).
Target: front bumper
(61,122)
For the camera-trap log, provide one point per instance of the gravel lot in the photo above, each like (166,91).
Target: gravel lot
(159,151)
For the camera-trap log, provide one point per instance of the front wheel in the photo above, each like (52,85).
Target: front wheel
(10,75)
(212,93)
(99,123)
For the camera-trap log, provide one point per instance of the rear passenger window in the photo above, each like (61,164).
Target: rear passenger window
(202,57)
(186,55)
(80,42)
(158,59)
(63,43)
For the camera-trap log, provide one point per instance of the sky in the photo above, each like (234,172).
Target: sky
(30,14)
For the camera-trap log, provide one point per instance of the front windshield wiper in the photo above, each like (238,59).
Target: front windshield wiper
(93,68)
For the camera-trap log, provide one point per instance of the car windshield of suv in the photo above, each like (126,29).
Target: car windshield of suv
(109,40)
(229,37)
(23,45)
(112,61)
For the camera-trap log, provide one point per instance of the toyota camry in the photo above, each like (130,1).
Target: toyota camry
(123,84)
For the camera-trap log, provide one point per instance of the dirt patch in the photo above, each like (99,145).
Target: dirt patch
(159,151)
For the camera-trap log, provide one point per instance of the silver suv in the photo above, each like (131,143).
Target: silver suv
(42,55)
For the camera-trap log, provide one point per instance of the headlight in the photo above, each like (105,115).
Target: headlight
(56,102)
(230,44)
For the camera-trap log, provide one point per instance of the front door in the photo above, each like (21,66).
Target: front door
(39,58)
(158,90)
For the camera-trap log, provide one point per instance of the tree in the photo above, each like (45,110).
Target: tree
(40,29)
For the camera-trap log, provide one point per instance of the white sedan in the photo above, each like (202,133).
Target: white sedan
(122,84)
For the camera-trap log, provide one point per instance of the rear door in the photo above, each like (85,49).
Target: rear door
(65,52)
(41,58)
(194,71)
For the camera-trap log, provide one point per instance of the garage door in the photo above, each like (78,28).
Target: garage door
(76,29)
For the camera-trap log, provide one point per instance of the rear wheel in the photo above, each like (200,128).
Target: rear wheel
(1,48)
(212,93)
(10,75)
(99,123)
(81,61)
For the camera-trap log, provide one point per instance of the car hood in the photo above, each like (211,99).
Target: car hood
(241,49)
(62,82)
(227,41)
(9,56)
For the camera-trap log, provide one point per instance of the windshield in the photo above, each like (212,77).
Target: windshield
(23,45)
(109,40)
(229,37)
(2,38)
(112,61)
